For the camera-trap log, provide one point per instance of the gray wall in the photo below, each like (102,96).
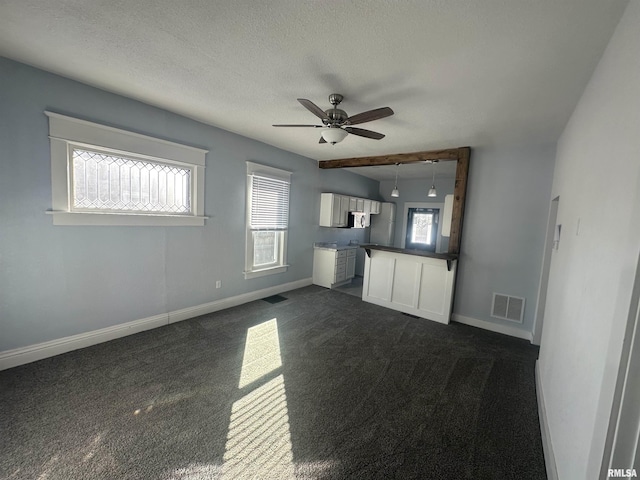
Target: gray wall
(594,275)
(504,229)
(60,281)
(504,226)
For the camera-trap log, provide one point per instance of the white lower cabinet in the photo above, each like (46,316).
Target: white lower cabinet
(333,267)
(351,264)
(413,284)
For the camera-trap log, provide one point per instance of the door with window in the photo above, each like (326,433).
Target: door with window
(422,228)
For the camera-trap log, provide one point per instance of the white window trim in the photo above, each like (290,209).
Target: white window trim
(407,206)
(66,132)
(256,168)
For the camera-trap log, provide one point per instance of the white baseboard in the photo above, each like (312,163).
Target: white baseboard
(547,446)
(205,308)
(32,353)
(494,327)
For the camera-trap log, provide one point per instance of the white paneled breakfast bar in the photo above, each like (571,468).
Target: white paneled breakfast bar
(416,282)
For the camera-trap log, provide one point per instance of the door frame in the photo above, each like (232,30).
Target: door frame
(407,206)
(622,445)
(546,268)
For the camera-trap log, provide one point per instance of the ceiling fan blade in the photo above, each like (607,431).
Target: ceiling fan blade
(322,140)
(313,126)
(370,115)
(313,108)
(364,133)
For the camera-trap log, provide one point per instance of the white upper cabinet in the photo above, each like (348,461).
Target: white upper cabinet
(344,209)
(334,210)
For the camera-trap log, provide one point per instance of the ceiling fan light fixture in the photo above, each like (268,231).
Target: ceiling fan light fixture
(334,135)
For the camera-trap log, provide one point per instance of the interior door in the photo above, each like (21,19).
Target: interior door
(422,228)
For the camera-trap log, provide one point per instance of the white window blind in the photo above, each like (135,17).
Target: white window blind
(269,203)
(268,191)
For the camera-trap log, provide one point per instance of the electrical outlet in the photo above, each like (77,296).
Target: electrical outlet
(218,283)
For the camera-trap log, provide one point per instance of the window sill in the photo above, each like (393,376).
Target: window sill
(265,271)
(124,219)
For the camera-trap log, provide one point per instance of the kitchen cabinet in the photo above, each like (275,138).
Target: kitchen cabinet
(333,267)
(351,264)
(420,284)
(334,210)
(342,218)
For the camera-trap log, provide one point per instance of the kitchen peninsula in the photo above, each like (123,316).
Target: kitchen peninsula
(416,282)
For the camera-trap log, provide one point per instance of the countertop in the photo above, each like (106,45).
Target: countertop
(407,251)
(333,246)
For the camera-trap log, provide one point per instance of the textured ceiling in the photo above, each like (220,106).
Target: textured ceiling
(456,72)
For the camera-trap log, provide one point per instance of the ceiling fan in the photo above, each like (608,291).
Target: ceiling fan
(336,124)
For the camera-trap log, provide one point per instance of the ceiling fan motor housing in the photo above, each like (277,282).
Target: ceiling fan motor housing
(336,116)
(335,99)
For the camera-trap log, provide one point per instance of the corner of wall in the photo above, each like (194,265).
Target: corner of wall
(547,445)
(493,327)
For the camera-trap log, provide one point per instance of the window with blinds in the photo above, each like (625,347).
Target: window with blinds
(269,203)
(267,220)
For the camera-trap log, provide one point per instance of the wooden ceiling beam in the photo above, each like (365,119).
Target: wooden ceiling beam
(448,154)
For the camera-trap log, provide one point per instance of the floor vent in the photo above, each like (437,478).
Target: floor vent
(507,307)
(275,299)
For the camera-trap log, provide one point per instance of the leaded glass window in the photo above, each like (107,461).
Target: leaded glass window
(114,183)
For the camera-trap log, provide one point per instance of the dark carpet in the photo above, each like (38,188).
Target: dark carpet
(320,386)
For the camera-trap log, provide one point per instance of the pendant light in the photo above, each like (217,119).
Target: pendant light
(395,192)
(432,190)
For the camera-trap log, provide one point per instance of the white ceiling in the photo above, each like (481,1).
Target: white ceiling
(455,72)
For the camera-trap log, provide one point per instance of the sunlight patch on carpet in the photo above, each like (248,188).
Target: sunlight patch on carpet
(259,440)
(197,471)
(261,352)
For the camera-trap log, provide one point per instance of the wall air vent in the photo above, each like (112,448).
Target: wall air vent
(507,307)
